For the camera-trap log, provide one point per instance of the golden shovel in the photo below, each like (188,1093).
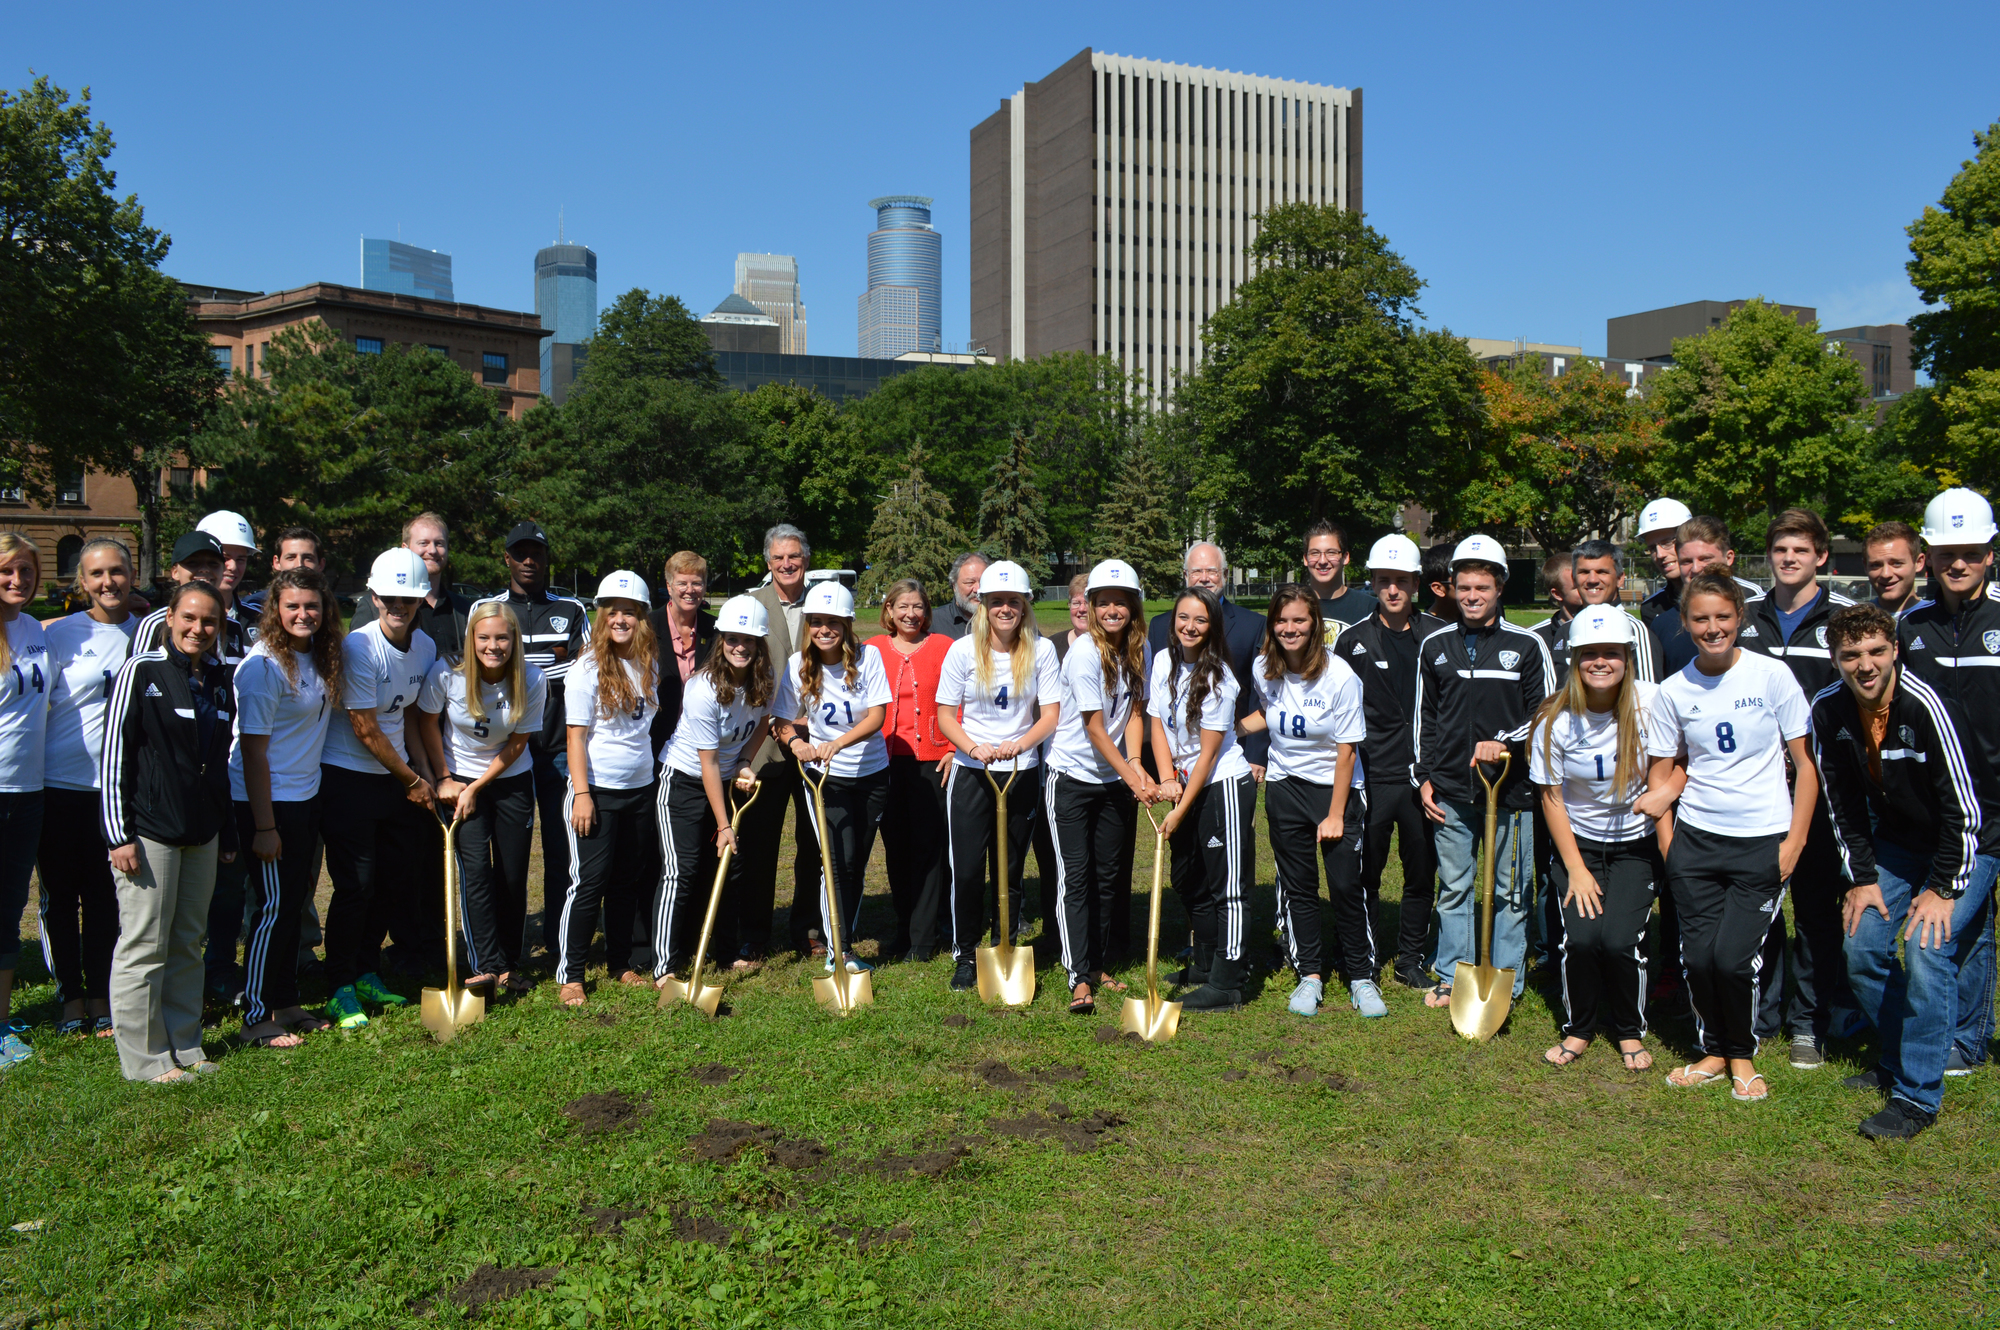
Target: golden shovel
(1481,996)
(840,991)
(446,1009)
(1150,1018)
(1006,972)
(692,989)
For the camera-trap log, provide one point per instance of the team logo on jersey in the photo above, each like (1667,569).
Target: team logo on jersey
(1819,635)
(559,622)
(1509,659)
(1843,737)
(1359,650)
(1991,639)
(153,690)
(1916,644)
(1750,630)
(88,651)
(1909,736)
(1439,660)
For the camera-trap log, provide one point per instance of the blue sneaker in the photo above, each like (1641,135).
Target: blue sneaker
(13,1050)
(370,988)
(345,1008)
(1305,998)
(1366,997)
(855,965)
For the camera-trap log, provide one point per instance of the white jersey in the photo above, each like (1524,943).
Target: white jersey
(707,726)
(1071,751)
(620,747)
(1733,727)
(84,658)
(1580,753)
(471,745)
(996,713)
(1309,721)
(296,717)
(1168,689)
(24,707)
(374,675)
(840,708)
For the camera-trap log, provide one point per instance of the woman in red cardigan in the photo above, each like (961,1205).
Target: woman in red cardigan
(913,826)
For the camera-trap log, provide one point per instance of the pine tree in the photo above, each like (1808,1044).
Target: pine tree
(1134,524)
(1010,511)
(912,536)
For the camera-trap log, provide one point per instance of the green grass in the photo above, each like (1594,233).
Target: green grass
(1446,1185)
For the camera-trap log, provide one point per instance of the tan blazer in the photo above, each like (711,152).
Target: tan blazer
(780,647)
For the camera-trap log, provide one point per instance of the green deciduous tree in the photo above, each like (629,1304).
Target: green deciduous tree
(1010,510)
(1135,521)
(912,535)
(826,474)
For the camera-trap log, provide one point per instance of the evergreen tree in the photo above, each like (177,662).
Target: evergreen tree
(1010,511)
(1134,523)
(912,536)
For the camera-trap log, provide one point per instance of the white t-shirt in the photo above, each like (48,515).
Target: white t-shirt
(620,747)
(706,726)
(840,708)
(84,658)
(997,713)
(1309,722)
(1733,727)
(1071,751)
(24,707)
(296,717)
(1168,688)
(375,674)
(1581,755)
(471,745)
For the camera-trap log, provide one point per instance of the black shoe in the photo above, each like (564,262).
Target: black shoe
(966,976)
(1412,978)
(1195,973)
(1899,1120)
(1865,1080)
(1210,998)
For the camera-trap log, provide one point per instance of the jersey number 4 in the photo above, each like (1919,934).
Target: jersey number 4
(21,684)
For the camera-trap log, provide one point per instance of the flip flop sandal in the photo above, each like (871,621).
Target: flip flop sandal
(103,1028)
(517,982)
(1742,1095)
(307,1024)
(1106,981)
(1083,1006)
(571,995)
(1629,1053)
(1439,996)
(206,1067)
(633,979)
(1565,1055)
(173,1076)
(267,1040)
(1688,1078)
(486,981)
(74,1025)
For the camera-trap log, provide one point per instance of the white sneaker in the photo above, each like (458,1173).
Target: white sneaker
(1305,998)
(1366,996)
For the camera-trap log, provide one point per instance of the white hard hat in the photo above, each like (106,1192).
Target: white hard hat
(1480,549)
(1662,515)
(745,615)
(398,572)
(1005,575)
(1958,517)
(1395,554)
(625,585)
(830,598)
(228,529)
(1596,625)
(1114,575)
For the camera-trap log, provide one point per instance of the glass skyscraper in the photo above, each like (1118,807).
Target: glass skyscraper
(566,303)
(391,265)
(903,309)
(771,283)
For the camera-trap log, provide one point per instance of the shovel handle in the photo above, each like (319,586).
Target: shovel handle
(831,893)
(1493,786)
(999,789)
(741,803)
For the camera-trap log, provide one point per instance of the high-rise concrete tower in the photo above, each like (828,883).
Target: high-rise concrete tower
(771,283)
(903,309)
(566,302)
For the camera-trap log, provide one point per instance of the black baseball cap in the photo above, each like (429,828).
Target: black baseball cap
(528,531)
(196,542)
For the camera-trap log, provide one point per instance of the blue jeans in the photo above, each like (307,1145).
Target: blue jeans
(1915,1004)
(20,838)
(1975,993)
(1458,841)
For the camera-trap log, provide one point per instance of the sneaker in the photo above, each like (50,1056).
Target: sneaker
(1806,1055)
(1899,1120)
(12,1050)
(1847,1023)
(370,988)
(345,1008)
(1412,976)
(1365,995)
(966,976)
(1955,1063)
(1864,1080)
(1305,998)
(1210,998)
(855,965)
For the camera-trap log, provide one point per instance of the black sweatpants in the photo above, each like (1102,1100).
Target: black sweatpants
(853,812)
(550,770)
(973,819)
(687,872)
(1604,959)
(417,920)
(1818,958)
(371,846)
(913,847)
(1091,827)
(492,847)
(1293,810)
(751,900)
(1210,865)
(1395,806)
(278,892)
(79,905)
(1728,890)
(610,870)
(1545,921)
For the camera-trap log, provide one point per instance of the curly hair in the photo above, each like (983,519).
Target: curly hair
(758,686)
(326,640)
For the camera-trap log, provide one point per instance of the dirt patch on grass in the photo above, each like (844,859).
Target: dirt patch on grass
(489,1283)
(925,1163)
(607,1219)
(864,1236)
(998,1074)
(714,1073)
(723,1140)
(1078,1135)
(689,1226)
(958,1022)
(607,1018)
(604,1112)
(1111,1034)
(1234,1074)
(797,1154)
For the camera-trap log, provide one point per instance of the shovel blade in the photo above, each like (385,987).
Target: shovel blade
(445,1011)
(842,992)
(1006,975)
(1481,997)
(705,997)
(1154,1019)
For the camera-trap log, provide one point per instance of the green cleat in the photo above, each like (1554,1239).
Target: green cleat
(345,1008)
(372,989)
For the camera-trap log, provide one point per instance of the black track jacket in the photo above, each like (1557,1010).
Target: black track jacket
(1807,654)
(165,769)
(1959,656)
(554,632)
(1460,703)
(1388,704)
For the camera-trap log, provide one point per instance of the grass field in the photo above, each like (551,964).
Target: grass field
(1262,1170)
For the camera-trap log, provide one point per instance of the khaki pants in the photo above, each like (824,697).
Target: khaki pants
(156,972)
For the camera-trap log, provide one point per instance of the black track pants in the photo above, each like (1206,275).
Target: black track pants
(973,818)
(853,813)
(278,892)
(687,871)
(913,847)
(1604,959)
(1211,849)
(371,848)
(749,904)
(417,920)
(610,869)
(1091,826)
(1728,890)
(492,849)
(1293,810)
(79,905)
(1819,958)
(550,770)
(1545,921)
(1395,806)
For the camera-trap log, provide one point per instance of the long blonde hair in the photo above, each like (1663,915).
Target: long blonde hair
(1628,773)
(615,692)
(1127,657)
(14,545)
(515,675)
(1022,658)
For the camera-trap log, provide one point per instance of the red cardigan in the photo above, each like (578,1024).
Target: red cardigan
(927,663)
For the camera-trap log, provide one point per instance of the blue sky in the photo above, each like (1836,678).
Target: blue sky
(1544,167)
